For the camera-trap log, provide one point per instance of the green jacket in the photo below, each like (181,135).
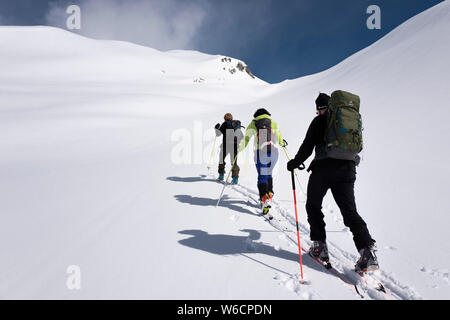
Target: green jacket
(252,131)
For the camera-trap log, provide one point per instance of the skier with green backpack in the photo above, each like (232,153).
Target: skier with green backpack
(336,136)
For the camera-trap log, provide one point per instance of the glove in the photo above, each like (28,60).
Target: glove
(291,165)
(285,143)
(217,126)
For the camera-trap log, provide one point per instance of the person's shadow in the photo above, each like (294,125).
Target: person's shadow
(200,178)
(235,205)
(224,244)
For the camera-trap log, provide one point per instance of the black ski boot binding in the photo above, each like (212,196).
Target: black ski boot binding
(319,251)
(368,260)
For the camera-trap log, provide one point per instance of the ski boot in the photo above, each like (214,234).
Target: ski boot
(235,180)
(266,203)
(319,251)
(221,177)
(368,260)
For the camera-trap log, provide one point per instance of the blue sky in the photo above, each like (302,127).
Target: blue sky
(278,39)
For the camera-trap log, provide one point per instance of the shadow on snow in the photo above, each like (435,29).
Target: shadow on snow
(222,244)
(235,205)
(200,178)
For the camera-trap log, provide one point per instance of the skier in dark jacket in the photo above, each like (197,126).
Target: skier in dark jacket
(232,136)
(339,176)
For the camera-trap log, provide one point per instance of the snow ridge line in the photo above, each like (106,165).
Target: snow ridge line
(341,258)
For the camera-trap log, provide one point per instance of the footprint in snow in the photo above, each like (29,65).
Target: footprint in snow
(443,274)
(234,218)
(292,283)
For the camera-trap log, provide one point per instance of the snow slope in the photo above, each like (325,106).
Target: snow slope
(89,130)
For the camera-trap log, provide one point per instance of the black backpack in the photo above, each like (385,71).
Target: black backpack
(264,134)
(236,126)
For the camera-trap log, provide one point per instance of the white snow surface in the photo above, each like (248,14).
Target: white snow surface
(88,132)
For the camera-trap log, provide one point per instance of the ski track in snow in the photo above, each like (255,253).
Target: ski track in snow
(343,261)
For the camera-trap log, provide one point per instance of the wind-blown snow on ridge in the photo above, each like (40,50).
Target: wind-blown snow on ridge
(52,52)
(88,129)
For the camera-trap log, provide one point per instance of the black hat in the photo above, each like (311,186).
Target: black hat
(260,112)
(322,101)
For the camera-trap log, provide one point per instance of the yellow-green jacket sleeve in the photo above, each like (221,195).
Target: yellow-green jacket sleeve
(277,134)
(249,133)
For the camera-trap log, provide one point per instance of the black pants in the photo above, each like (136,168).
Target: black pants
(341,181)
(224,152)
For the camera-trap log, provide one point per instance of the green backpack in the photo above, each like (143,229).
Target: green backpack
(343,138)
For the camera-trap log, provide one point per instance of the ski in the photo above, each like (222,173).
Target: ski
(270,218)
(333,271)
(267,216)
(366,278)
(377,285)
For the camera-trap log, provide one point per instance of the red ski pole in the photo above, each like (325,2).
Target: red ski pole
(296,221)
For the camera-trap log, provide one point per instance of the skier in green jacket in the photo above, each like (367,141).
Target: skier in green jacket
(267,137)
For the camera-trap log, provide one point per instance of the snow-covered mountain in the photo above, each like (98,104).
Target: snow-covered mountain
(44,52)
(89,134)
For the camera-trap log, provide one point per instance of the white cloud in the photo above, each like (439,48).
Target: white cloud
(161,24)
